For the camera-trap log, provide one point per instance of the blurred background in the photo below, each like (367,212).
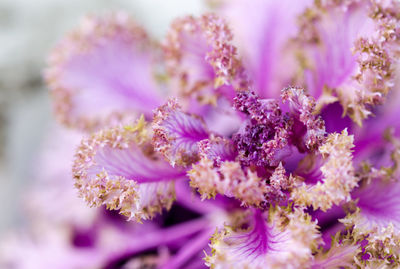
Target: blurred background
(28,30)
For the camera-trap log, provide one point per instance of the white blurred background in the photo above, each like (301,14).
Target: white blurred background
(28,30)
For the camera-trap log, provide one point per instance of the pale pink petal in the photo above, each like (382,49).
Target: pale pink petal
(102,72)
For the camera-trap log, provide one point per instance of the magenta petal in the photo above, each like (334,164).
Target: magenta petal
(350,47)
(119,168)
(332,114)
(370,138)
(309,127)
(330,176)
(218,150)
(221,119)
(262,29)
(176,133)
(202,62)
(335,62)
(52,198)
(255,243)
(379,204)
(132,163)
(375,214)
(261,240)
(103,71)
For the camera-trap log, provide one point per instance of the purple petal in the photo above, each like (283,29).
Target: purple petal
(264,139)
(263,241)
(330,176)
(332,114)
(262,30)
(308,128)
(103,71)
(220,119)
(176,134)
(218,150)
(335,62)
(201,60)
(379,205)
(375,216)
(351,47)
(370,139)
(341,254)
(119,168)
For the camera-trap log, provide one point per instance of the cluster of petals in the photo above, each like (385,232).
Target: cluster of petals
(275,121)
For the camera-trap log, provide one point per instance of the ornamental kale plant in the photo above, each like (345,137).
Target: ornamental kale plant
(262,135)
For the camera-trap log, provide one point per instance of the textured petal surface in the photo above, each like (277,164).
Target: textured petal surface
(119,168)
(217,149)
(201,60)
(176,133)
(268,242)
(227,179)
(309,127)
(338,175)
(217,172)
(353,47)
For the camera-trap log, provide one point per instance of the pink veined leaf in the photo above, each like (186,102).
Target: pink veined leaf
(119,168)
(176,133)
(264,240)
